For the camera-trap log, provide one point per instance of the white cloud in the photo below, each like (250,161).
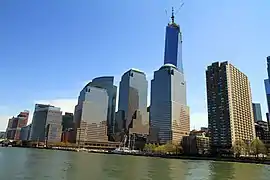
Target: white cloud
(198,120)
(3,122)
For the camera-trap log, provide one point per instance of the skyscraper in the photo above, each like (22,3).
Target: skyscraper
(267,84)
(46,124)
(106,82)
(230,115)
(169,112)
(91,115)
(133,100)
(15,124)
(173,45)
(257,112)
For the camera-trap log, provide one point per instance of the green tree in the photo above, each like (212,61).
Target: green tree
(257,147)
(239,147)
(169,148)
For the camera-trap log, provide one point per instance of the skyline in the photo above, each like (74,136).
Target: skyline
(65,40)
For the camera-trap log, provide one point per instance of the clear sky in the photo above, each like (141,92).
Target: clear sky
(50,49)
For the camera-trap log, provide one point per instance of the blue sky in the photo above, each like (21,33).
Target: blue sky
(50,49)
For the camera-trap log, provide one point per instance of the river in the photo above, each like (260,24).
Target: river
(36,164)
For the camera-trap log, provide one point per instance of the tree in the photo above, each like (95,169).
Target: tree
(169,148)
(239,147)
(257,147)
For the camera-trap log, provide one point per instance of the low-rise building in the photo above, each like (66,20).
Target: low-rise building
(196,144)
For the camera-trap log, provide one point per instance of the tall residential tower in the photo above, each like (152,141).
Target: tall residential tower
(230,115)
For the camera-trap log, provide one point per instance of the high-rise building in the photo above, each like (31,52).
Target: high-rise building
(106,82)
(133,101)
(25,133)
(169,112)
(46,124)
(173,45)
(229,101)
(15,124)
(91,115)
(257,112)
(67,121)
(267,87)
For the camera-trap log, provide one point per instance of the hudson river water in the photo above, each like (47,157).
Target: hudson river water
(34,164)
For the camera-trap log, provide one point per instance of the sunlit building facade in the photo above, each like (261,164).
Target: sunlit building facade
(91,115)
(230,115)
(15,125)
(169,112)
(107,82)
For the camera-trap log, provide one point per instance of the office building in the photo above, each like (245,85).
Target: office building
(91,115)
(46,124)
(106,82)
(173,45)
(169,113)
(67,121)
(230,115)
(25,133)
(257,112)
(170,119)
(268,121)
(15,124)
(133,101)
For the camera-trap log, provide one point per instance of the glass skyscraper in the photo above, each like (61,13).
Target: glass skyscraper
(169,112)
(133,99)
(257,112)
(106,82)
(173,45)
(91,115)
(267,83)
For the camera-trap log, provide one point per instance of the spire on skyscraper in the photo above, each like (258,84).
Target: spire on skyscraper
(172,17)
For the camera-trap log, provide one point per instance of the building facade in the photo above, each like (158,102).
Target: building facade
(257,112)
(173,45)
(25,133)
(107,82)
(91,115)
(46,124)
(67,121)
(169,112)
(15,125)
(230,115)
(133,101)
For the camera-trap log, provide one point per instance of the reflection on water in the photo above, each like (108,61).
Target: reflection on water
(33,164)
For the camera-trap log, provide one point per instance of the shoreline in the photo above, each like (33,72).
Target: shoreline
(164,156)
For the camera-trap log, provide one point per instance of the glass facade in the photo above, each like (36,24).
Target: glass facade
(106,82)
(173,46)
(133,97)
(257,112)
(168,110)
(91,114)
